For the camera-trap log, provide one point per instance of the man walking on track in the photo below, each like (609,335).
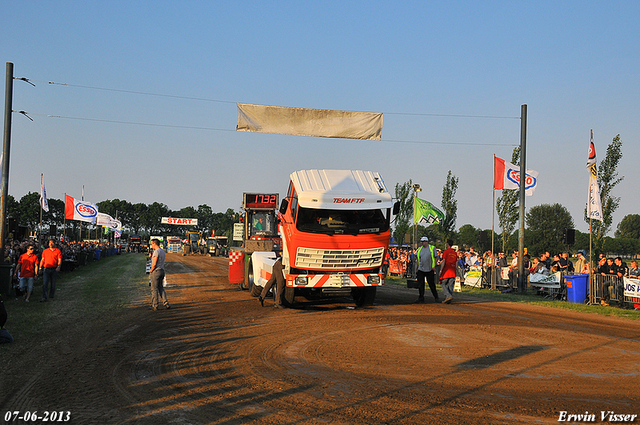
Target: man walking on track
(426,269)
(50,265)
(448,272)
(156,276)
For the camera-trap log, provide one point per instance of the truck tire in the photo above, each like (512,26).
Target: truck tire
(254,290)
(289,295)
(364,296)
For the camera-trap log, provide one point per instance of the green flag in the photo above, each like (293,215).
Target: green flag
(425,213)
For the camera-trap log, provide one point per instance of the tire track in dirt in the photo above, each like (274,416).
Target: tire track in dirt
(217,357)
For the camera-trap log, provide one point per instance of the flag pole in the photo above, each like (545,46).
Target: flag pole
(522,283)
(41,183)
(65,215)
(493,225)
(591,293)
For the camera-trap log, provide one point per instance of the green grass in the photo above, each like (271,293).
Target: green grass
(85,294)
(533,299)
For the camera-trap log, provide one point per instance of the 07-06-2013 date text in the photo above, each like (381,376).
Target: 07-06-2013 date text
(46,416)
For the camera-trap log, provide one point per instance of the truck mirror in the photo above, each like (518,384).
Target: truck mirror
(283,206)
(396,208)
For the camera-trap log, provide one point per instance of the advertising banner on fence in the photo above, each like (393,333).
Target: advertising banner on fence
(631,288)
(180,221)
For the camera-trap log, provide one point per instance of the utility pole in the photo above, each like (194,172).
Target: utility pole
(8,108)
(522,283)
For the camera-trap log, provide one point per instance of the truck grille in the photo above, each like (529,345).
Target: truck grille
(339,259)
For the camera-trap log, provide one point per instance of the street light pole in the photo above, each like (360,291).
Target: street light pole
(8,105)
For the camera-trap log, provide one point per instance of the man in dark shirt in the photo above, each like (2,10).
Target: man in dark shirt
(614,272)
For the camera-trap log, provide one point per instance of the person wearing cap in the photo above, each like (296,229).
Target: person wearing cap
(426,256)
(580,262)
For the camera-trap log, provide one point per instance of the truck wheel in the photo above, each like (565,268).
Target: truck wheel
(254,290)
(290,295)
(364,296)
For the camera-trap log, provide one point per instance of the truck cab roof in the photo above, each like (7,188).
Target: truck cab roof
(341,189)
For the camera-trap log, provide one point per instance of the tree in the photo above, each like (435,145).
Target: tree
(468,236)
(403,195)
(55,216)
(607,180)
(222,223)
(546,224)
(629,227)
(135,221)
(507,207)
(449,206)
(204,214)
(151,217)
(432,232)
(29,210)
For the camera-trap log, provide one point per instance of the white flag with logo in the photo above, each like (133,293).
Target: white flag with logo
(594,205)
(507,176)
(44,204)
(80,210)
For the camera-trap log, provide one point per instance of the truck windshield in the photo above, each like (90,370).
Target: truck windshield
(333,222)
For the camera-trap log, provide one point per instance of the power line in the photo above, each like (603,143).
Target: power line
(233,130)
(450,115)
(133,123)
(135,92)
(232,102)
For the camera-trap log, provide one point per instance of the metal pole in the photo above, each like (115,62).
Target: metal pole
(8,106)
(522,287)
(493,229)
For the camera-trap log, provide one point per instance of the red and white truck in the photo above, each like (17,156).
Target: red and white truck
(335,230)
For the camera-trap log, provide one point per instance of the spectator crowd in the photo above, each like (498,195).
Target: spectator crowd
(609,273)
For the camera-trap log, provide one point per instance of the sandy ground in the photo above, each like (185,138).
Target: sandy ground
(218,357)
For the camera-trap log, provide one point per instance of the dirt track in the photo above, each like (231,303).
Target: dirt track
(218,357)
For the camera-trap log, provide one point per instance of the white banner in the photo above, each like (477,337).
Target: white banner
(309,122)
(631,287)
(44,204)
(108,221)
(179,221)
(595,206)
(238,231)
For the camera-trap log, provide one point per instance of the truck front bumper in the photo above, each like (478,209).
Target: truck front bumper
(336,280)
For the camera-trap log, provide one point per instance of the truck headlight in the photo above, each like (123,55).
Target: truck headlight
(373,280)
(302,280)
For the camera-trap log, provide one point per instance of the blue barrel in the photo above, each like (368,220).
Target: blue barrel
(577,287)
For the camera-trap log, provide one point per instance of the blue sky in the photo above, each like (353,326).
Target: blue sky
(574,63)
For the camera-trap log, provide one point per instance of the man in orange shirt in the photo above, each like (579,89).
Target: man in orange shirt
(448,272)
(28,269)
(50,264)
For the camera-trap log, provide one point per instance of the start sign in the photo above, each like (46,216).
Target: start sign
(180,221)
